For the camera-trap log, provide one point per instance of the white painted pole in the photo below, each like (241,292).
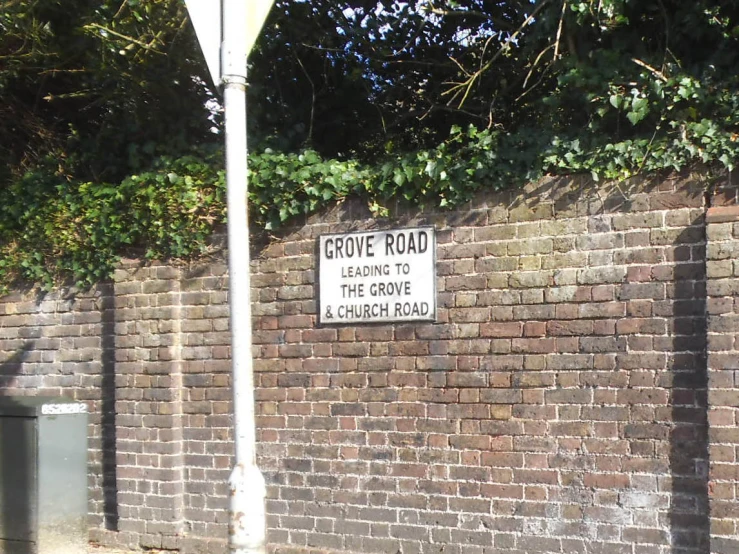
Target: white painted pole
(247,513)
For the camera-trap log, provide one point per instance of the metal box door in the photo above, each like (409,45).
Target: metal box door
(18,457)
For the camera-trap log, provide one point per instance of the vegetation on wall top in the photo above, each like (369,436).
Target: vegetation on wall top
(110,138)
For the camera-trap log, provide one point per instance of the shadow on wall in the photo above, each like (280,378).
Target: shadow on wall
(16,519)
(108,408)
(688,436)
(16,522)
(558,196)
(567,193)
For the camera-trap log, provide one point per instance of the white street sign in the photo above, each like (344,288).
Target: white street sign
(256,12)
(377,276)
(207,18)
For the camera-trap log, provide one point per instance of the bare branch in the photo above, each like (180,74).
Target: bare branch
(533,66)
(536,84)
(467,85)
(9,4)
(656,72)
(559,29)
(120,9)
(77,94)
(313,96)
(421,25)
(55,71)
(124,37)
(321,48)
(460,66)
(500,23)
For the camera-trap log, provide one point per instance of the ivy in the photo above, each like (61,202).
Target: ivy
(53,229)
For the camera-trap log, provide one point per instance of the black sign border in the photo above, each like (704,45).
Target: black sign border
(319,320)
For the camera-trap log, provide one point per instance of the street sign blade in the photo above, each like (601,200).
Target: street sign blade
(206,18)
(257,11)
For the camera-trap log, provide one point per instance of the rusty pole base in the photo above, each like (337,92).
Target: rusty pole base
(247,525)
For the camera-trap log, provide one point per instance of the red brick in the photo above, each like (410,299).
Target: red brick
(512,329)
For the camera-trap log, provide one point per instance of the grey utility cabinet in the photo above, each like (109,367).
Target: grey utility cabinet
(43,475)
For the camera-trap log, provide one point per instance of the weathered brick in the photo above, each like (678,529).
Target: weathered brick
(576,328)
(533,345)
(600,241)
(530,279)
(596,276)
(502,329)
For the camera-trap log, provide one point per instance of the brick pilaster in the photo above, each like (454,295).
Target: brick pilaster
(148,402)
(722,268)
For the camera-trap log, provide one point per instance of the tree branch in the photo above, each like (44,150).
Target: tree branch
(124,37)
(656,72)
(465,87)
(313,97)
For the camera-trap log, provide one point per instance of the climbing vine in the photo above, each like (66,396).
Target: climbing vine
(55,230)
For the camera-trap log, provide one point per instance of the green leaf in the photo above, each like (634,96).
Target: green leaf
(635,117)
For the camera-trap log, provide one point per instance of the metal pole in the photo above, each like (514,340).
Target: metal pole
(247,514)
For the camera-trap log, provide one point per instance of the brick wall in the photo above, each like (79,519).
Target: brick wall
(149,354)
(723,361)
(558,404)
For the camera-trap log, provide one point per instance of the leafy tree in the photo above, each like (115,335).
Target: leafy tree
(588,70)
(101,108)
(100,87)
(109,130)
